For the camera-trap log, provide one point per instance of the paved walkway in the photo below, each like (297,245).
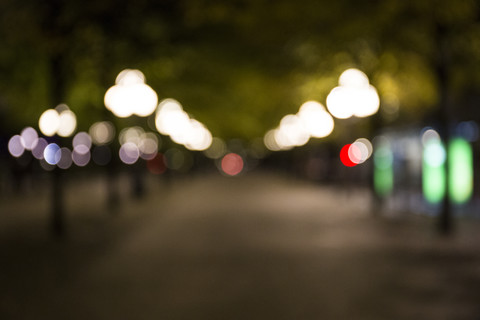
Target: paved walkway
(253,247)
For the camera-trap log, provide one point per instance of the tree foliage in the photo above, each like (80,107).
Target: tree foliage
(238,66)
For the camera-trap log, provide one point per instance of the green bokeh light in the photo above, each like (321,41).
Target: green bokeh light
(433,172)
(460,175)
(383,172)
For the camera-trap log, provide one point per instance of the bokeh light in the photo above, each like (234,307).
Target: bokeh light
(82,143)
(61,121)
(429,135)
(81,156)
(173,121)
(353,78)
(15,146)
(366,147)
(39,148)
(353,97)
(177,125)
(65,156)
(167,110)
(157,165)
(270,142)
(360,150)
(291,132)
(434,154)
(130,95)
(198,138)
(217,149)
(102,132)
(130,77)
(355,153)
(318,122)
(129,153)
(383,175)
(147,143)
(232,164)
(460,174)
(29,138)
(51,154)
(131,134)
(433,167)
(345,156)
(295,130)
(148,146)
(49,122)
(68,123)
(174,159)
(178,160)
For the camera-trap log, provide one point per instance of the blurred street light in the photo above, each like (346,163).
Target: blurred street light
(356,153)
(353,97)
(131,95)
(29,138)
(217,149)
(102,132)
(460,162)
(61,121)
(318,122)
(295,130)
(433,168)
(383,177)
(173,121)
(232,164)
(49,122)
(15,146)
(136,143)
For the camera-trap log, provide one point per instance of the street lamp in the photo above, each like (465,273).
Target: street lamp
(354,96)
(61,121)
(173,121)
(131,95)
(316,119)
(295,130)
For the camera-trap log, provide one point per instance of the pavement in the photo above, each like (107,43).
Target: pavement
(258,246)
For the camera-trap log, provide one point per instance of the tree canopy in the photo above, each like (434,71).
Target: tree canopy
(237,66)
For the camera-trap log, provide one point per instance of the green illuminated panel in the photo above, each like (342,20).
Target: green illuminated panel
(433,172)
(460,176)
(383,170)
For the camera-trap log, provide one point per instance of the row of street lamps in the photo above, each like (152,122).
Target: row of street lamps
(130,95)
(354,97)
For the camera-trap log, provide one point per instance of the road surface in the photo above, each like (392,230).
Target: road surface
(257,246)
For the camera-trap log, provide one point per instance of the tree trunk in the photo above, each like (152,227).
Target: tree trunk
(445,222)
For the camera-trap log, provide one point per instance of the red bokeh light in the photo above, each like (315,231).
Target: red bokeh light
(157,164)
(232,164)
(345,158)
